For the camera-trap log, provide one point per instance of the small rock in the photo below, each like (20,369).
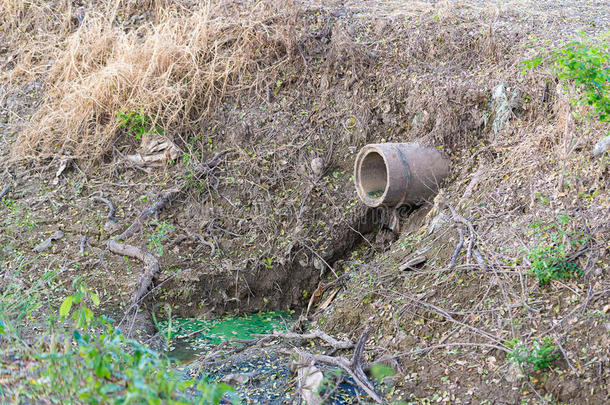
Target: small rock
(514,373)
(310,379)
(317,167)
(602,145)
(45,244)
(237,378)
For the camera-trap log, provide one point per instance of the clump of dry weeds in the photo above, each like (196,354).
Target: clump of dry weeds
(173,71)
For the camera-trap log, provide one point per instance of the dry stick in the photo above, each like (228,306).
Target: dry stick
(5,191)
(83,244)
(353,368)
(457,249)
(563,352)
(151,263)
(106,201)
(314,334)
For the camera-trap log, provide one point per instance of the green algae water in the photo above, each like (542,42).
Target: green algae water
(191,338)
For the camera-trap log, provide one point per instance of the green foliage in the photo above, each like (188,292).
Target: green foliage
(381,371)
(85,359)
(109,368)
(550,257)
(586,64)
(549,263)
(268,262)
(19,305)
(160,235)
(82,316)
(539,354)
(136,123)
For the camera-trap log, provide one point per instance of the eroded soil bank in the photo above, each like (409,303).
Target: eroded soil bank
(291,91)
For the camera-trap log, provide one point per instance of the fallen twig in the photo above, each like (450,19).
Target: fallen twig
(563,352)
(5,191)
(106,201)
(83,244)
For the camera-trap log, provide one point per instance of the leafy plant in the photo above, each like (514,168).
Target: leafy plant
(549,263)
(82,316)
(539,354)
(98,364)
(585,63)
(550,258)
(161,235)
(136,123)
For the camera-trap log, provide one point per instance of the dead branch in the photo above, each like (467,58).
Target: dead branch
(83,244)
(353,367)
(106,201)
(5,191)
(315,334)
(214,355)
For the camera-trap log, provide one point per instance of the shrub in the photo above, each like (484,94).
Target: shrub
(85,359)
(586,64)
(136,123)
(550,258)
(550,263)
(539,354)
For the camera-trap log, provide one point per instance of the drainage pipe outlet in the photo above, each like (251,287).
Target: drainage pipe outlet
(391,174)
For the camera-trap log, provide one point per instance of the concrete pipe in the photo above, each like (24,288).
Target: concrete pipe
(391,174)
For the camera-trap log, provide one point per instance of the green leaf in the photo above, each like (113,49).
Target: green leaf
(64,310)
(95,298)
(381,371)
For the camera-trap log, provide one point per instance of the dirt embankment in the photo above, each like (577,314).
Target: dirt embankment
(281,86)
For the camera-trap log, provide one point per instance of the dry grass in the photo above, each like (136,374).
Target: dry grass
(174,70)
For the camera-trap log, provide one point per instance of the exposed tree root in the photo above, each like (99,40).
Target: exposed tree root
(151,263)
(151,266)
(106,201)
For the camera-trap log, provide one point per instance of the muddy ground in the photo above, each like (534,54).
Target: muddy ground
(267,230)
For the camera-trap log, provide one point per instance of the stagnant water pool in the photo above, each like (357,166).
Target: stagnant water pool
(268,380)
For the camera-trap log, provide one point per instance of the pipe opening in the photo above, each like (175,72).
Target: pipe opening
(373,175)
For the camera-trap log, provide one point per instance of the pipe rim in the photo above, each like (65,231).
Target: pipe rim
(365,197)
